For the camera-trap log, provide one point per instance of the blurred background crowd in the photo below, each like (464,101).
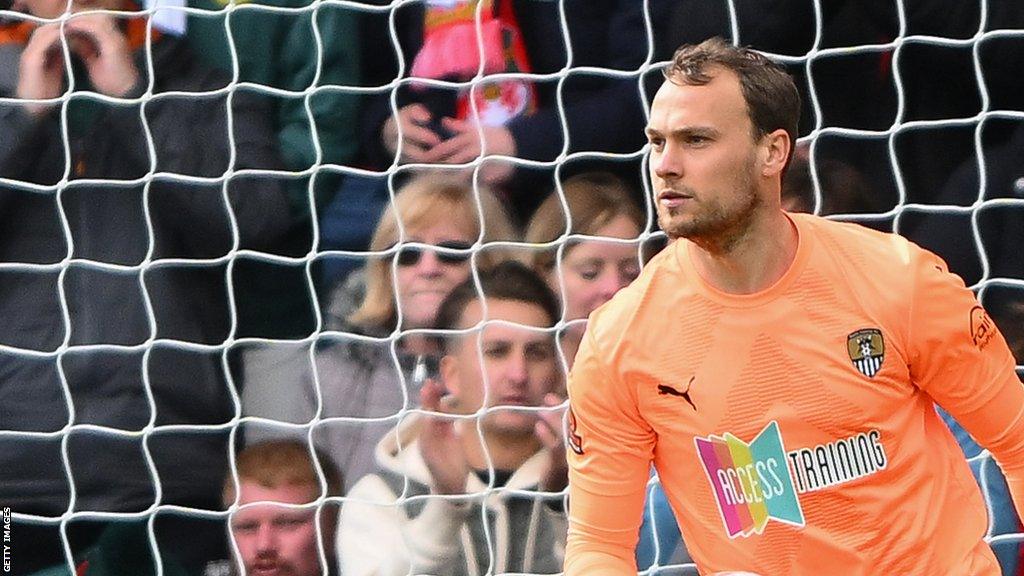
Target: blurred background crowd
(276,210)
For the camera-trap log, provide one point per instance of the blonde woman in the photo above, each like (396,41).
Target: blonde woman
(589,272)
(433,210)
(431,236)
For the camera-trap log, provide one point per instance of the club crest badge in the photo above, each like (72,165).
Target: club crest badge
(867,350)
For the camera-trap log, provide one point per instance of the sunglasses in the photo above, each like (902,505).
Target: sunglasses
(411,256)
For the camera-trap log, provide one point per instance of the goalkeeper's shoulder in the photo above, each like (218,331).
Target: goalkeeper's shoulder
(856,244)
(883,264)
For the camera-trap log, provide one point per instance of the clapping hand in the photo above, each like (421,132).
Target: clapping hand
(440,444)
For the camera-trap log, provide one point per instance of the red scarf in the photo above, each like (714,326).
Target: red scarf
(451,51)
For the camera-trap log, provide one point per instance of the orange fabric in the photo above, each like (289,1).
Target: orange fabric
(135,29)
(16,32)
(794,430)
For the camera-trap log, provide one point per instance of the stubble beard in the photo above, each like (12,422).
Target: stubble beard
(714,226)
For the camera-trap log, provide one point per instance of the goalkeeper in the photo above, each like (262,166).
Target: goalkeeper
(779,369)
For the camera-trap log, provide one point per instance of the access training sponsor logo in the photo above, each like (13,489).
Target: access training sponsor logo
(760,481)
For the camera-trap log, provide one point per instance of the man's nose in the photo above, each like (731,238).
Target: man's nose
(266,539)
(515,369)
(667,164)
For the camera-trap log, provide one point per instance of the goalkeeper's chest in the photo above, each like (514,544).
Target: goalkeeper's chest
(737,375)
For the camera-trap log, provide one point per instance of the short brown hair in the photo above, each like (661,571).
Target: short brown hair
(594,200)
(509,280)
(772,98)
(280,463)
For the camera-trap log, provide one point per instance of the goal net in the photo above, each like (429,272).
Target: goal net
(166,246)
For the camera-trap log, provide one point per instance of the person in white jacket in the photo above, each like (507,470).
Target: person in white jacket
(484,462)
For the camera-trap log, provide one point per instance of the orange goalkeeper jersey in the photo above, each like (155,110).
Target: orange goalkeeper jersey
(794,429)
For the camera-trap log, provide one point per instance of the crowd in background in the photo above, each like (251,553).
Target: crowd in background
(247,202)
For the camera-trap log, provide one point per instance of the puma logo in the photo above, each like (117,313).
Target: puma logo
(685,394)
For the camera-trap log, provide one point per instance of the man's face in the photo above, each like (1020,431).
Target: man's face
(703,159)
(274,540)
(518,367)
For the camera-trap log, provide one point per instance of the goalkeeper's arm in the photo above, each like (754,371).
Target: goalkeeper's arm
(609,464)
(958,357)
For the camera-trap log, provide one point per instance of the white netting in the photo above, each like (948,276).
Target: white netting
(981,207)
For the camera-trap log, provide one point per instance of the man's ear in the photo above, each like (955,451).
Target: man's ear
(449,372)
(775,148)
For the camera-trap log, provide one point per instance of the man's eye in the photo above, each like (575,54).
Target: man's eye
(290,522)
(495,351)
(244,527)
(540,353)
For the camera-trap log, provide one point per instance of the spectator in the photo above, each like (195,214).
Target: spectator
(276,539)
(523,36)
(591,271)
(356,368)
(431,210)
(518,117)
(277,49)
(467,464)
(104,229)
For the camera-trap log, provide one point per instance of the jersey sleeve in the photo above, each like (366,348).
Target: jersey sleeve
(958,356)
(609,463)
